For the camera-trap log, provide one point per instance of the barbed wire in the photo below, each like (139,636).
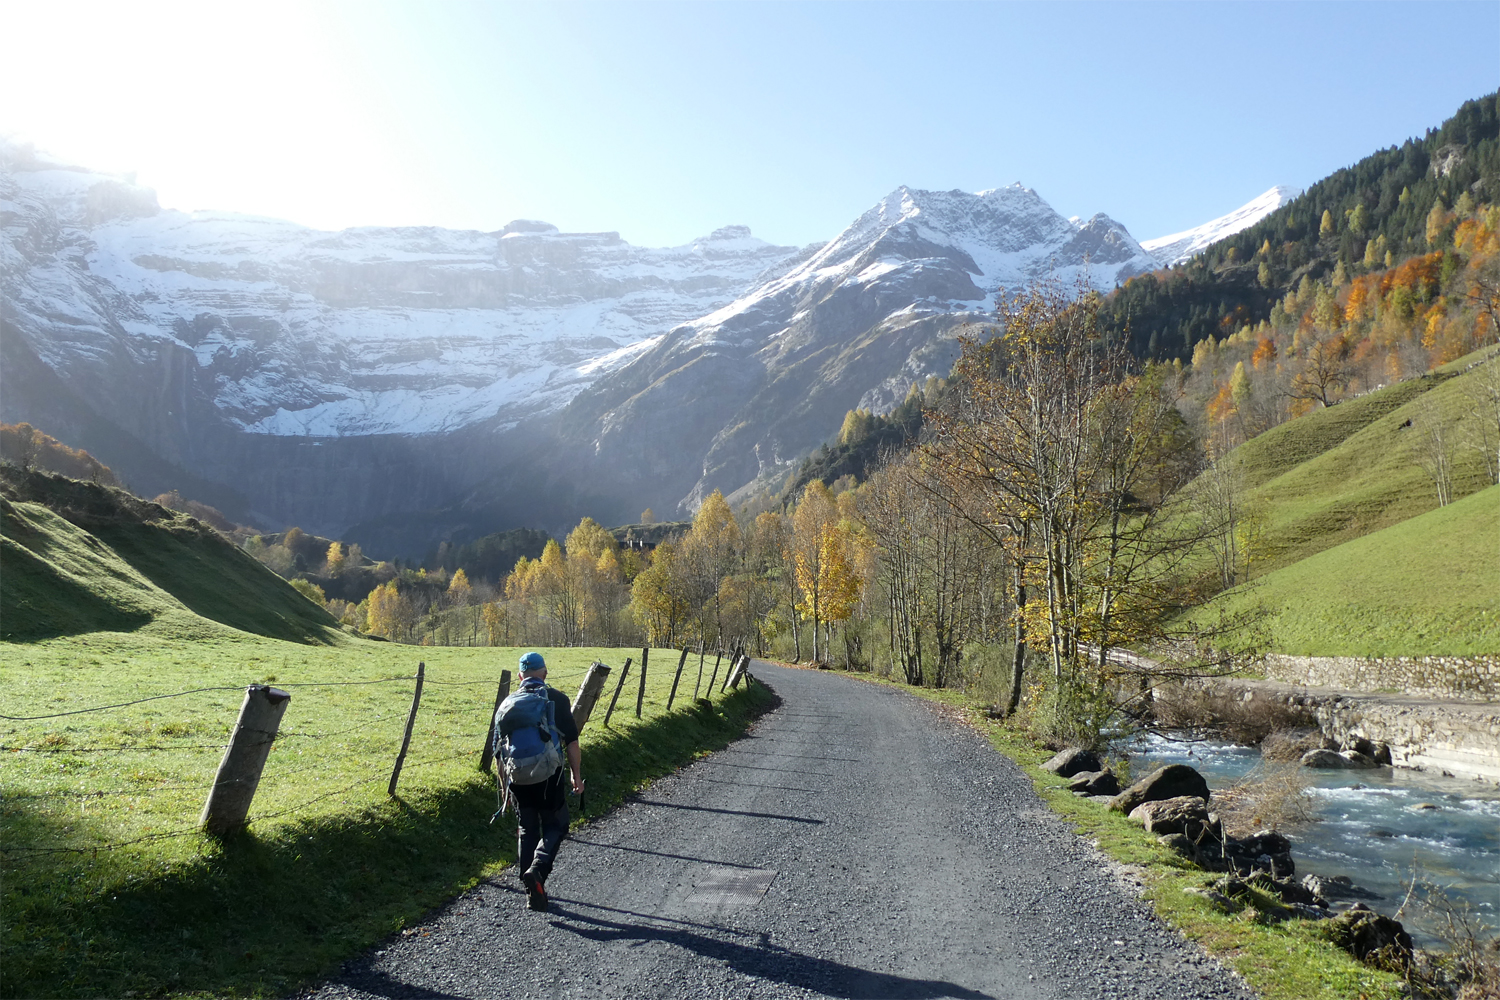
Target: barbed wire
(183,694)
(123,704)
(383,680)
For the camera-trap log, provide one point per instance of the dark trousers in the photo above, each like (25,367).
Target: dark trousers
(541,824)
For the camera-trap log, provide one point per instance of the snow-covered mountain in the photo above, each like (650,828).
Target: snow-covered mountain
(354,378)
(298,332)
(190,331)
(1178,247)
(752,387)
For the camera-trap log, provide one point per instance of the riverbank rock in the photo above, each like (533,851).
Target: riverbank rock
(1339,890)
(1289,891)
(1072,761)
(1266,851)
(1185,814)
(1372,938)
(1380,753)
(1168,782)
(1095,783)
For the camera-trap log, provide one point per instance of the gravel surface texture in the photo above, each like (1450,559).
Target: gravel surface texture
(859,842)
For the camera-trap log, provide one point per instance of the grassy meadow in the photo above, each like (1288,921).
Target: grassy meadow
(110,891)
(1349,552)
(1429,585)
(1340,473)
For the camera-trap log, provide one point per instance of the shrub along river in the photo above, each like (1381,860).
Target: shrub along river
(1375,826)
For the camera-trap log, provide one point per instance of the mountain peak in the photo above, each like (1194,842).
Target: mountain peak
(1179,247)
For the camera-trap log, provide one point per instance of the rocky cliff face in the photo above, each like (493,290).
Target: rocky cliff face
(524,376)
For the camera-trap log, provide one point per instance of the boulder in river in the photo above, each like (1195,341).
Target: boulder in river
(1095,783)
(1168,782)
(1185,814)
(1334,760)
(1072,761)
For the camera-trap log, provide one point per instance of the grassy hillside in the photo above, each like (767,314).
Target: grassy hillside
(1429,585)
(1340,473)
(83,558)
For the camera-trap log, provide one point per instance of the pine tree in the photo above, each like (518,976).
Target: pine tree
(1359,220)
(1325,228)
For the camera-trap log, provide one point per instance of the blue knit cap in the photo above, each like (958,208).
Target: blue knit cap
(533,661)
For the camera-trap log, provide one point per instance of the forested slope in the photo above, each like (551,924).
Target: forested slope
(1384,201)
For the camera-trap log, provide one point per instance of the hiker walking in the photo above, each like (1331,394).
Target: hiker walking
(535,736)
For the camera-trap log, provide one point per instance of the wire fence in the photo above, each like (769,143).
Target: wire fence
(453,728)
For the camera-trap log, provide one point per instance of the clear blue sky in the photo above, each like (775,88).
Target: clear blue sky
(664,121)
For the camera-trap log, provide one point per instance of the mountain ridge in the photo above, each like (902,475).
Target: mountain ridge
(343,379)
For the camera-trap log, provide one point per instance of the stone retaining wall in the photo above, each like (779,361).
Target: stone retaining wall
(1470,678)
(1457,738)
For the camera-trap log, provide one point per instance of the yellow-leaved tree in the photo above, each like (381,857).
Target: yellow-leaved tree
(460,592)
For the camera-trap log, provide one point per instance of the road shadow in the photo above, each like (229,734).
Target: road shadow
(764,960)
(378,984)
(727,812)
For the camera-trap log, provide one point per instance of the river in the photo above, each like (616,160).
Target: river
(1375,826)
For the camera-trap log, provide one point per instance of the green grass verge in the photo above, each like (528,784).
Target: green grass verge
(1287,961)
(1429,585)
(329,864)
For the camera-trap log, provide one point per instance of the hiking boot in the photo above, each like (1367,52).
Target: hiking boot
(536,893)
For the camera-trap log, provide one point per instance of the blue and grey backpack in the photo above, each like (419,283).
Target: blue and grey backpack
(527,742)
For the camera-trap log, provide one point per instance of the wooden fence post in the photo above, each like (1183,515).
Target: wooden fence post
(411,720)
(640,691)
(676,677)
(715,675)
(487,757)
(734,663)
(699,682)
(588,693)
(244,758)
(624,673)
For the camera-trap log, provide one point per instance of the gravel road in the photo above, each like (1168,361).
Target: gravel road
(858,843)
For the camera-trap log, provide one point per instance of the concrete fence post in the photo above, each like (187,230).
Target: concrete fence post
(741,672)
(588,693)
(244,759)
